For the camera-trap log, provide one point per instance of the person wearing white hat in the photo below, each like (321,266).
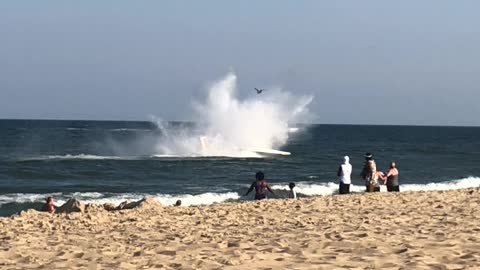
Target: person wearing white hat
(344,173)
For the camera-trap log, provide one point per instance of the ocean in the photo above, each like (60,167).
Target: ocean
(114,161)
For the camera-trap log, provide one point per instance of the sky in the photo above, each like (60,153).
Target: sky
(366,62)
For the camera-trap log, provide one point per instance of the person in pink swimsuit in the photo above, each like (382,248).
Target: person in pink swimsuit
(49,207)
(261,186)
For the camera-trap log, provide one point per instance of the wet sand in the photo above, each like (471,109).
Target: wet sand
(411,230)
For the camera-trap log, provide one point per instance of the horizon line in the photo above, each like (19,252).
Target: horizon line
(190,121)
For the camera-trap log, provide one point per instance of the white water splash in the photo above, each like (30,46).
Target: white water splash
(229,126)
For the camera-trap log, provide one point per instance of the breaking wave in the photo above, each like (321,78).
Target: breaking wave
(72,157)
(332,188)
(11,203)
(101,198)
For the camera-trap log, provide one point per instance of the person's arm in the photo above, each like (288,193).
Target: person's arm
(383,177)
(339,172)
(269,189)
(250,189)
(390,173)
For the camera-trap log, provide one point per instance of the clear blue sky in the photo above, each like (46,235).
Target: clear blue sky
(374,62)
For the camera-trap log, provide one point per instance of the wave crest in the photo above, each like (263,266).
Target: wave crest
(100,198)
(332,188)
(71,157)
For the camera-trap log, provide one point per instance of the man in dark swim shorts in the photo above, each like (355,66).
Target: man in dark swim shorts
(261,186)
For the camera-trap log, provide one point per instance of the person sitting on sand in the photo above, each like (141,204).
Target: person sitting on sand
(261,186)
(369,173)
(49,207)
(292,194)
(392,177)
(344,173)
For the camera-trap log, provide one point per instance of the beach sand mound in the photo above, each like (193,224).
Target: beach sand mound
(71,206)
(109,206)
(145,203)
(408,230)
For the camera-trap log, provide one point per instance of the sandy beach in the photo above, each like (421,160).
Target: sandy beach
(411,230)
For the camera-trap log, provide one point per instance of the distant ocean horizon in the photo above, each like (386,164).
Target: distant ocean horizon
(112,161)
(193,122)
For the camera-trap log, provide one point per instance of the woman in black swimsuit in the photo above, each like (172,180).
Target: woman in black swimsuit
(261,186)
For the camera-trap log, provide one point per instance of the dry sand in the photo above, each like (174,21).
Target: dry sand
(411,230)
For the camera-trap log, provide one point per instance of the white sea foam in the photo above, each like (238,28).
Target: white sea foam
(332,188)
(100,198)
(113,129)
(167,199)
(130,129)
(164,156)
(83,156)
(317,189)
(468,182)
(79,156)
(72,128)
(88,194)
(210,198)
(25,197)
(234,127)
(201,199)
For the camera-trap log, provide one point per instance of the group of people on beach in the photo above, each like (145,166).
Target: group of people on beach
(373,179)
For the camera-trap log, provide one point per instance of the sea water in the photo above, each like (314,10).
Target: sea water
(214,157)
(97,161)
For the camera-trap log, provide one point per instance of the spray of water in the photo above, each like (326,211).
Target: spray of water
(228,126)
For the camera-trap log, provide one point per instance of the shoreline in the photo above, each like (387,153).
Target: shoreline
(14,203)
(407,230)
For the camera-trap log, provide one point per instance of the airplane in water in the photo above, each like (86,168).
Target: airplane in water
(259,91)
(248,150)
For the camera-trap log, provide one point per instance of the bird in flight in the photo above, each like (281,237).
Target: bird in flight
(259,91)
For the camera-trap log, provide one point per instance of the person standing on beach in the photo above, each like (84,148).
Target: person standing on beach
(344,173)
(392,177)
(369,174)
(261,186)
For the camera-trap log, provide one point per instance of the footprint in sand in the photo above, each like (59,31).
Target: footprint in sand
(79,255)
